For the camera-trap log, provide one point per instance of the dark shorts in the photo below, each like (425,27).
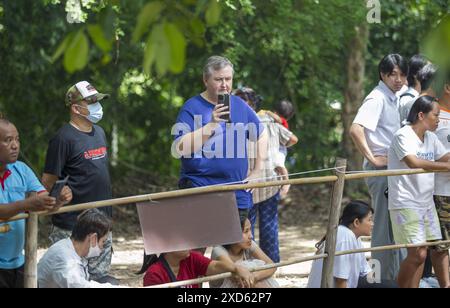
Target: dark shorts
(12,278)
(443,210)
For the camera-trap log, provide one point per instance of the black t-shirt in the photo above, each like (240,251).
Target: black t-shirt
(84,158)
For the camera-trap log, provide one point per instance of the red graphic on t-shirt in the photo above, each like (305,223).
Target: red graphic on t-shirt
(96,153)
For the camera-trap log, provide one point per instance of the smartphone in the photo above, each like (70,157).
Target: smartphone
(58,187)
(225,100)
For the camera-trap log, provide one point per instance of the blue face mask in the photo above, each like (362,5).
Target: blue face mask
(95,112)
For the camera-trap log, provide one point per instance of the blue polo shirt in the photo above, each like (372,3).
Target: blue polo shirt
(223,158)
(18,180)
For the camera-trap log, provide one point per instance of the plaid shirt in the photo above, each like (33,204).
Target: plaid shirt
(277,136)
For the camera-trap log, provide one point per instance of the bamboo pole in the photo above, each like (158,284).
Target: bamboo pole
(372,174)
(296,261)
(333,222)
(31,244)
(178,193)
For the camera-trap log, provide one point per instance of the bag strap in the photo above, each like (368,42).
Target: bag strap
(167,268)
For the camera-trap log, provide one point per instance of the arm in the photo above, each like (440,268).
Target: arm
(359,139)
(224,264)
(261,155)
(340,283)
(194,141)
(261,275)
(292,141)
(36,203)
(274,116)
(416,163)
(49,180)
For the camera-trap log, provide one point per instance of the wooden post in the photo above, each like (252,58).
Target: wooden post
(31,244)
(333,222)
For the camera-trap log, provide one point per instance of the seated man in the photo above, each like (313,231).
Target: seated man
(65,264)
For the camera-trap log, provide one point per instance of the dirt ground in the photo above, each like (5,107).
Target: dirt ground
(303,216)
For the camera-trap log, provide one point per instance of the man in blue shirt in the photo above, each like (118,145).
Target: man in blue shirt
(17,182)
(213,150)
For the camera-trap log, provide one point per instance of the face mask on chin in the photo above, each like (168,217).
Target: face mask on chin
(94,252)
(95,112)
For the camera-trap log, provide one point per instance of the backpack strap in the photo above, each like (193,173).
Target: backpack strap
(167,268)
(407,94)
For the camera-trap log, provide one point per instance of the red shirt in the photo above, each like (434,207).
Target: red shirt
(284,122)
(192,267)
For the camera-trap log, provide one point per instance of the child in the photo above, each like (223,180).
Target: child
(248,254)
(186,265)
(353,270)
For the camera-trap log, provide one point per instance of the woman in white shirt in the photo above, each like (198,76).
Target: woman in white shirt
(412,210)
(352,270)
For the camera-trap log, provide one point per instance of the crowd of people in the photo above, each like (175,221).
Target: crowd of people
(403,123)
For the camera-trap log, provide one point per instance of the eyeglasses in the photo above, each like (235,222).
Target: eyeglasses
(90,100)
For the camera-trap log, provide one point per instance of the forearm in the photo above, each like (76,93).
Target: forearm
(359,139)
(340,283)
(427,165)
(261,275)
(193,142)
(261,153)
(9,210)
(222,266)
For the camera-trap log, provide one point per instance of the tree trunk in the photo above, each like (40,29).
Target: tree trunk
(354,95)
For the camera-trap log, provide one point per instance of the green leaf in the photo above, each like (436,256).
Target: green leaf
(98,37)
(62,47)
(197,26)
(212,14)
(147,16)
(177,47)
(157,51)
(163,54)
(149,54)
(76,55)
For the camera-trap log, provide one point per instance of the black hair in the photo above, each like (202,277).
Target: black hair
(426,76)
(148,261)
(249,95)
(388,63)
(354,210)
(91,221)
(416,63)
(422,104)
(243,216)
(285,109)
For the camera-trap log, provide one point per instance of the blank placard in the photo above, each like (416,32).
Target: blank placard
(190,222)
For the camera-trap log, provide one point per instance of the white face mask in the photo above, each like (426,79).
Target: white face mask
(94,252)
(95,112)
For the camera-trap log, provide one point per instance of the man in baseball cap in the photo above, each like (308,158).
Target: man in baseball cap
(79,150)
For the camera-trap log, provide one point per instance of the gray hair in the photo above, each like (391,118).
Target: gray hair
(216,63)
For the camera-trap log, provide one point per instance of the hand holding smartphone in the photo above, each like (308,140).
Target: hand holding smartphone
(225,100)
(58,187)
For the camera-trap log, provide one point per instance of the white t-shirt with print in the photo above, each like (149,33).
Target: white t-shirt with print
(349,267)
(416,190)
(442,180)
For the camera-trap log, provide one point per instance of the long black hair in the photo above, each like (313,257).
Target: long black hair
(149,260)
(243,216)
(354,210)
(422,104)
